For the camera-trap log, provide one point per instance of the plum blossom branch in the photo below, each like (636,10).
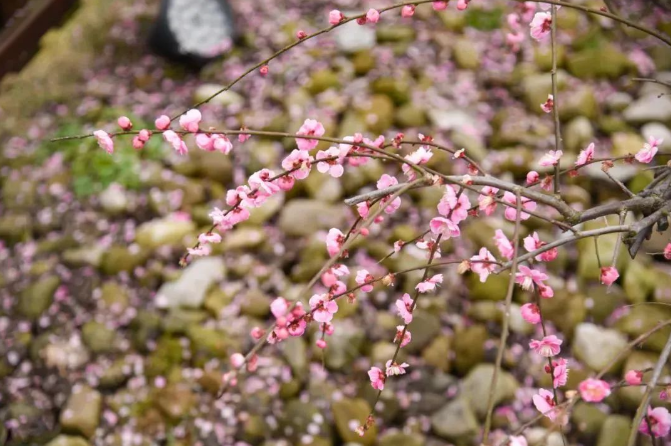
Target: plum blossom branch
(606,14)
(261,342)
(569,239)
(506,321)
(642,408)
(568,404)
(555,96)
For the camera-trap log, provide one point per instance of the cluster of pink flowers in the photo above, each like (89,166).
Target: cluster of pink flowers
(289,321)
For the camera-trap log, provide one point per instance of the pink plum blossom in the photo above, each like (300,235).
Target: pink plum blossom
(190,121)
(667,252)
(407,336)
(660,422)
(594,390)
(404,306)
(456,206)
(237,360)
(429,284)
(335,17)
(333,166)
(447,228)
(531,313)
(634,377)
(363,209)
(609,275)
(162,122)
(299,162)
(585,156)
(532,177)
(541,25)
(310,127)
(440,5)
(363,277)
(176,141)
(104,141)
(533,242)
(511,211)
(384,182)
(551,158)
(334,241)
(503,244)
(547,347)
(408,11)
(560,373)
(549,104)
(209,237)
(545,404)
(125,123)
(261,181)
(518,440)
(279,307)
(420,156)
(373,15)
(242,137)
(486,200)
(322,307)
(479,265)
(200,251)
(394,368)
(462,4)
(377,378)
(527,277)
(647,153)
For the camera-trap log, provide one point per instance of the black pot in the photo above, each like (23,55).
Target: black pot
(189,31)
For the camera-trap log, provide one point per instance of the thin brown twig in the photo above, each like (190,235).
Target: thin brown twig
(555,95)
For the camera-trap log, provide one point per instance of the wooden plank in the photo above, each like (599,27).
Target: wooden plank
(20,38)
(8,8)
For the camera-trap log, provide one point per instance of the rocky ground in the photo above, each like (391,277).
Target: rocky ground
(90,355)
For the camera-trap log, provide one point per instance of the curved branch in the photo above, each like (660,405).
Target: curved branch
(642,408)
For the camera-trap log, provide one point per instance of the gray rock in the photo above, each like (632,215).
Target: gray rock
(305,217)
(97,337)
(352,37)
(401,439)
(658,131)
(190,289)
(348,411)
(455,422)
(165,231)
(450,119)
(596,346)
(114,199)
(81,414)
(649,108)
(122,258)
(175,401)
(615,431)
(344,346)
(67,440)
(38,297)
(476,387)
(295,353)
(618,101)
(578,134)
(90,255)
(14,227)
(63,354)
(205,91)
